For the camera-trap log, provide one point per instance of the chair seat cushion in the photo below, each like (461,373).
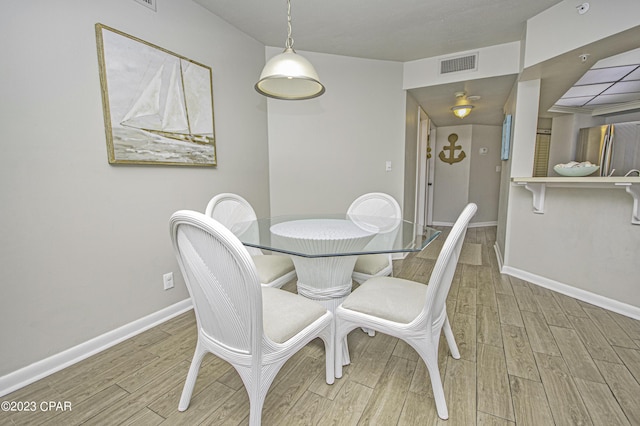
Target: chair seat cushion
(371,264)
(285,314)
(272,266)
(393,299)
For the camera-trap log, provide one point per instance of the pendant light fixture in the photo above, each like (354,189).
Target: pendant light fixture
(288,75)
(463,108)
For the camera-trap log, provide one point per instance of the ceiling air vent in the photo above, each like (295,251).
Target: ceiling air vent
(460,63)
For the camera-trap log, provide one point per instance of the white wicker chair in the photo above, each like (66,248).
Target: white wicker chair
(255,328)
(230,210)
(408,310)
(374,204)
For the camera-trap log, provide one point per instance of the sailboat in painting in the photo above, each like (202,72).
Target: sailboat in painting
(174,105)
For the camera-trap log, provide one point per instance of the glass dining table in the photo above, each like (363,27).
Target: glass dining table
(324,247)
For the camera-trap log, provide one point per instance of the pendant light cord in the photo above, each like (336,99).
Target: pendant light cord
(289,76)
(289,43)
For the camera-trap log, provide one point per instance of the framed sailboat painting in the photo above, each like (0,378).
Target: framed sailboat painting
(158,106)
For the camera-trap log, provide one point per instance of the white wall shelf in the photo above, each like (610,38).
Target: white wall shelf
(538,187)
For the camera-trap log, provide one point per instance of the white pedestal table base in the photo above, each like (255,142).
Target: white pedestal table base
(314,274)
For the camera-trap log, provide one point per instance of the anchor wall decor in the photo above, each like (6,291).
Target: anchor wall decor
(452,147)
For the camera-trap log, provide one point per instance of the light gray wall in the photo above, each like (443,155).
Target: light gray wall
(85,244)
(474,179)
(325,152)
(484,179)
(560,29)
(584,239)
(500,59)
(623,118)
(525,125)
(451,181)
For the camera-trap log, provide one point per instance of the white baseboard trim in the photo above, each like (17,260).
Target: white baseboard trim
(586,296)
(399,256)
(43,368)
(482,224)
(471,225)
(441,224)
(499,257)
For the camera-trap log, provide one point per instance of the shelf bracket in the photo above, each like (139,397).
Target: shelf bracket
(538,186)
(634,191)
(538,191)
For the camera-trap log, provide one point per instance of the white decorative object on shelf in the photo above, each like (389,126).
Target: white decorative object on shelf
(575,169)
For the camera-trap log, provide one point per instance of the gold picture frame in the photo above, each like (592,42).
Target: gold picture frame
(158,105)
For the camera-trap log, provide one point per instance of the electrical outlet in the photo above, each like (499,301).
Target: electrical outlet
(167,279)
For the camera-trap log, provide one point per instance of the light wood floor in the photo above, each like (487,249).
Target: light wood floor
(530,356)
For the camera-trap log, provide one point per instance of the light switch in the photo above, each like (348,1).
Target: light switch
(388,166)
(151,4)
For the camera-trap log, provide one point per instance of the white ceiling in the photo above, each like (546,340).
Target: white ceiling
(405,30)
(611,81)
(400,30)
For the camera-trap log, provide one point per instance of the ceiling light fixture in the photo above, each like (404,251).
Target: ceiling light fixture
(288,75)
(462,109)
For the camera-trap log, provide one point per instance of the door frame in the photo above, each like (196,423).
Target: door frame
(423,214)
